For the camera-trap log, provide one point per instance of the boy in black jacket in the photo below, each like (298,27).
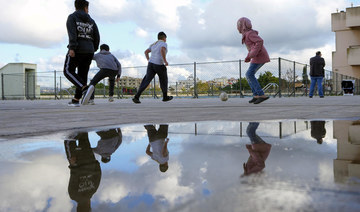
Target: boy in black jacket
(84,40)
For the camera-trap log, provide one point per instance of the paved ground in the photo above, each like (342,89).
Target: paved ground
(25,118)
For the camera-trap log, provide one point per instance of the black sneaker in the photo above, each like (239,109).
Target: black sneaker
(136,100)
(253,100)
(167,98)
(74,103)
(260,99)
(321,96)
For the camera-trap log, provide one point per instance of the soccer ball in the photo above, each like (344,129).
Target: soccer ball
(223,96)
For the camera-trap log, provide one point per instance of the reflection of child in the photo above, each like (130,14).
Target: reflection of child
(109,141)
(85,171)
(158,142)
(259,150)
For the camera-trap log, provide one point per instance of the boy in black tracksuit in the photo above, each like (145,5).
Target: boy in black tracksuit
(84,40)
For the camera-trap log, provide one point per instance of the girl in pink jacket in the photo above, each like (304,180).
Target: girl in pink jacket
(257,57)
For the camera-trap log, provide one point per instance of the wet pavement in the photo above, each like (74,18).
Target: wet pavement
(273,165)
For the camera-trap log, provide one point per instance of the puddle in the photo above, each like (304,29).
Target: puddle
(289,165)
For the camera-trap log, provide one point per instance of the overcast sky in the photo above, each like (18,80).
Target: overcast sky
(198,30)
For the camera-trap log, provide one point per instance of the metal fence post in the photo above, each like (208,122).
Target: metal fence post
(279,62)
(336,85)
(154,90)
(306,81)
(195,86)
(2,87)
(294,87)
(55,84)
(118,89)
(104,90)
(176,88)
(34,86)
(240,86)
(60,88)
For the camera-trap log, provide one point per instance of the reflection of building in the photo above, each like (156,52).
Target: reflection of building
(346,25)
(347,163)
(130,82)
(19,81)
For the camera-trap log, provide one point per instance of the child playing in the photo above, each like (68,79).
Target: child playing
(157,65)
(109,67)
(257,57)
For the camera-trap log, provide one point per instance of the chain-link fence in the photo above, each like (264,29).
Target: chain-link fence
(278,78)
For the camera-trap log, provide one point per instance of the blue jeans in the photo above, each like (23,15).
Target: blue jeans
(251,133)
(253,82)
(317,80)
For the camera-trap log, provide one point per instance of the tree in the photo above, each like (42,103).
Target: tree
(305,76)
(266,78)
(202,87)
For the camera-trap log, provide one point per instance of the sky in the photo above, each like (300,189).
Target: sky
(34,31)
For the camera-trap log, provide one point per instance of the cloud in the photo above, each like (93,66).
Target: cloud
(160,14)
(141,33)
(284,27)
(40,24)
(197,31)
(34,191)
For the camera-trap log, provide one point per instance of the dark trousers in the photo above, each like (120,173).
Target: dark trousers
(101,75)
(154,134)
(82,63)
(153,69)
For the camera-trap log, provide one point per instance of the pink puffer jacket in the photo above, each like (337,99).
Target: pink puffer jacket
(254,43)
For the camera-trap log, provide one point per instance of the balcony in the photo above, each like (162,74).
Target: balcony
(353,17)
(353,55)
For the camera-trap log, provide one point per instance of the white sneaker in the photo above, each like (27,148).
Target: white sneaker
(111,99)
(91,102)
(88,94)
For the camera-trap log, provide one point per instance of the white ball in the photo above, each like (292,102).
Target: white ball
(223,96)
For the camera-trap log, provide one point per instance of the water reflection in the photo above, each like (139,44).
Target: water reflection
(259,150)
(158,142)
(204,168)
(347,162)
(318,130)
(108,143)
(85,171)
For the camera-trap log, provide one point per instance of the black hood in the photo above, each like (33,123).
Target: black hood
(82,15)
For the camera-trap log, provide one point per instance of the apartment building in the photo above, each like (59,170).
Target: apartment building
(346,57)
(130,82)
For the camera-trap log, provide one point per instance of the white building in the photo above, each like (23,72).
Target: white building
(346,58)
(19,81)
